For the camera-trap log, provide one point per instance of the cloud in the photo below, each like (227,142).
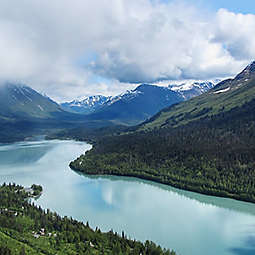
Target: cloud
(236,33)
(63,47)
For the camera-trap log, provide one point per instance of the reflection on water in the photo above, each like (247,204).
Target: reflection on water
(210,200)
(23,153)
(190,223)
(248,249)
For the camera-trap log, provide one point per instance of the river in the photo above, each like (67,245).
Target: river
(189,223)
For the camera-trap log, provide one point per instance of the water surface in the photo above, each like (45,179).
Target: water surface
(190,223)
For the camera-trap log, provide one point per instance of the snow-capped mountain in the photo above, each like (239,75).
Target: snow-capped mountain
(189,89)
(135,106)
(125,96)
(170,94)
(87,105)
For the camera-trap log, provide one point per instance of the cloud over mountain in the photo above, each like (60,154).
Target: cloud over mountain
(66,48)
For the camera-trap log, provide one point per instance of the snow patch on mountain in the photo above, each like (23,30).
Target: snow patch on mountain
(192,88)
(202,85)
(85,105)
(222,91)
(40,107)
(126,96)
(88,101)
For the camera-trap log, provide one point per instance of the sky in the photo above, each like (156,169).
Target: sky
(70,49)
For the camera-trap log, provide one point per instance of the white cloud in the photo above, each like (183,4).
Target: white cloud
(236,33)
(62,47)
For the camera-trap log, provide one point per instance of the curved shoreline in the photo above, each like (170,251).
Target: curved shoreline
(171,183)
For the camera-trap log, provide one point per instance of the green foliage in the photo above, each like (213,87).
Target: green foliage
(37,189)
(28,229)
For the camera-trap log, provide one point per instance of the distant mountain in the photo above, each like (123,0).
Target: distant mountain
(136,105)
(85,106)
(25,112)
(22,102)
(192,89)
(225,96)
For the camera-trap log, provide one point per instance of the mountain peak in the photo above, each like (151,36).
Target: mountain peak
(20,101)
(247,72)
(85,105)
(144,86)
(252,65)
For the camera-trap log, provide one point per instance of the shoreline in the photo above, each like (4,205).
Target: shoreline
(181,186)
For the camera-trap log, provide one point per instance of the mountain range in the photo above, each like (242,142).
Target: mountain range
(135,106)
(24,111)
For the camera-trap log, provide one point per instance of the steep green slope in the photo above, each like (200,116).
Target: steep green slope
(205,145)
(27,229)
(222,98)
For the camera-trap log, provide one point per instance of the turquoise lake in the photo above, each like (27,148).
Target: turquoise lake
(189,223)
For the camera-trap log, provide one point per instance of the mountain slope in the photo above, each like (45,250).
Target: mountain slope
(205,145)
(25,112)
(19,101)
(223,97)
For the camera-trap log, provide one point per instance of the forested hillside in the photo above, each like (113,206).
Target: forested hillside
(28,229)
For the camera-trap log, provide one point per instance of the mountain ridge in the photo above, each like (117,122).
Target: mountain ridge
(137,105)
(85,106)
(21,101)
(224,96)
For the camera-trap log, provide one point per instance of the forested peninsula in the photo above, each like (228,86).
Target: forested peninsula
(28,229)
